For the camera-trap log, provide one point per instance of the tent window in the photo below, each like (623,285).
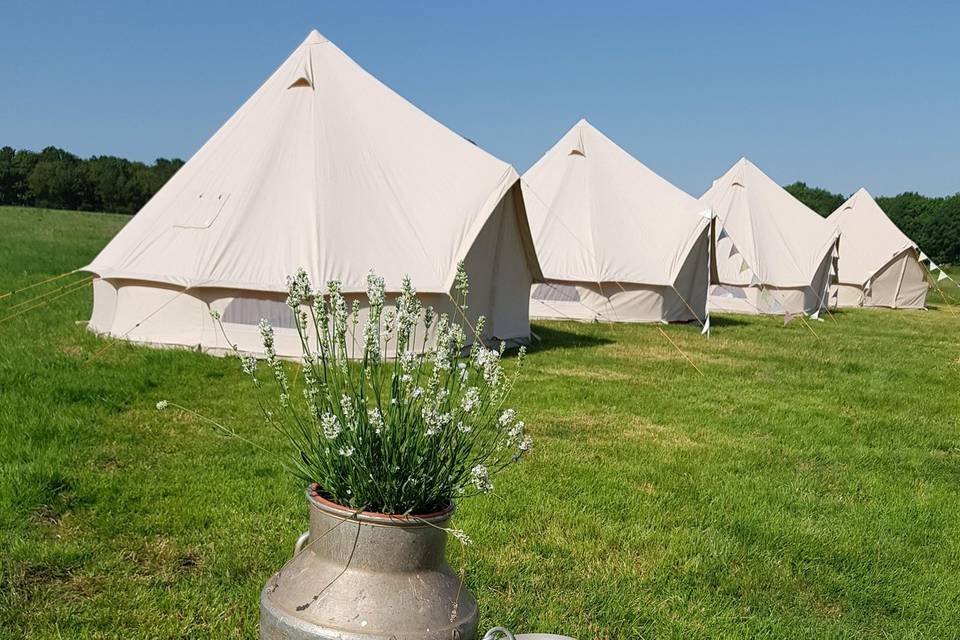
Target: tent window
(249,311)
(723,291)
(556,293)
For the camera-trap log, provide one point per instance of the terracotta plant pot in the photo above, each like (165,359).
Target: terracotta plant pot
(367,575)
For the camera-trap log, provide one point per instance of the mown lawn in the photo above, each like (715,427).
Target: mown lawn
(803,487)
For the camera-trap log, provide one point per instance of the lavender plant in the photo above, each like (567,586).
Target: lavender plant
(383,418)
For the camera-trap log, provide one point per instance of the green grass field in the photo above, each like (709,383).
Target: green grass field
(803,487)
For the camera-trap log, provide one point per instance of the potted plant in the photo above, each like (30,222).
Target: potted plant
(387,425)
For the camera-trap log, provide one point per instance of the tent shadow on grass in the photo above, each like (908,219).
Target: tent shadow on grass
(556,338)
(726,320)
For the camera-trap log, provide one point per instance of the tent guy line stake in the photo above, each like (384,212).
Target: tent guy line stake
(37,284)
(692,364)
(807,325)
(47,294)
(76,287)
(936,285)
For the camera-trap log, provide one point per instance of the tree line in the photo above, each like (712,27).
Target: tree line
(57,179)
(933,223)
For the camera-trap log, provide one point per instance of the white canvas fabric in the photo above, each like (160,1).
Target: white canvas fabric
(773,254)
(879,265)
(328,169)
(615,241)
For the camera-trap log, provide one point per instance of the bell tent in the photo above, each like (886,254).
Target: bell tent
(879,265)
(328,169)
(615,241)
(773,254)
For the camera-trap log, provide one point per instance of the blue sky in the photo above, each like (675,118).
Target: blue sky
(838,94)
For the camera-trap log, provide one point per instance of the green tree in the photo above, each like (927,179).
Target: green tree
(114,184)
(58,180)
(820,200)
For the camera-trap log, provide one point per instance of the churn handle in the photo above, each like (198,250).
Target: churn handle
(302,541)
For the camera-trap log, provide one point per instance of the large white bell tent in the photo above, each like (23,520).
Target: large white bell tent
(326,168)
(773,254)
(879,265)
(616,241)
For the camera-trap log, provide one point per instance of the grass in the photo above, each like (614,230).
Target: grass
(802,487)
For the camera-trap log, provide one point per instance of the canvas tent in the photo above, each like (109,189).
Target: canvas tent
(773,254)
(616,241)
(879,265)
(326,168)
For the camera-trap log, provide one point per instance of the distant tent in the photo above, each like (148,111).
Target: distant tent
(773,254)
(326,168)
(879,265)
(616,241)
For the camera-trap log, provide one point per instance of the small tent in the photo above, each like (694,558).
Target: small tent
(879,265)
(616,241)
(326,168)
(773,254)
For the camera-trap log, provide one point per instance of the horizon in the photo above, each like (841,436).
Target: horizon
(515,87)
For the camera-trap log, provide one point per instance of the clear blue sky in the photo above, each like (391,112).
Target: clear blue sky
(839,94)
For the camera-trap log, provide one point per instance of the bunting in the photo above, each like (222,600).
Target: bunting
(733,250)
(743,266)
(933,266)
(723,234)
(923,257)
(943,276)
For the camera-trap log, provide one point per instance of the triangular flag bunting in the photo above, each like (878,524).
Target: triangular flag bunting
(933,266)
(723,234)
(706,327)
(943,276)
(754,279)
(835,294)
(733,251)
(923,257)
(788,318)
(744,266)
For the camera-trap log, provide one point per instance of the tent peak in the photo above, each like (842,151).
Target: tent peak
(315,37)
(863,190)
(582,123)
